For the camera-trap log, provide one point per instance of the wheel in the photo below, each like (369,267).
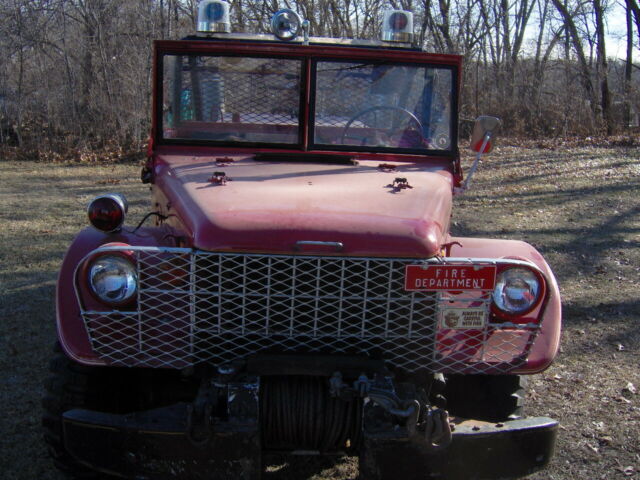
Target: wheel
(68,387)
(105,389)
(389,131)
(492,398)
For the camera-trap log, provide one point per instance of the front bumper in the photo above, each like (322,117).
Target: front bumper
(479,450)
(155,445)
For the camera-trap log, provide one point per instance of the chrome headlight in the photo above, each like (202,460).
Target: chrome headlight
(517,290)
(113,279)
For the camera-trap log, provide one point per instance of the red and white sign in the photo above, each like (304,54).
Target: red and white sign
(449,277)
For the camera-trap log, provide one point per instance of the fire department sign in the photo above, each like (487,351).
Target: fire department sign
(449,277)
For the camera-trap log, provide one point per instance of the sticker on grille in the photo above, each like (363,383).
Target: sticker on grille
(195,307)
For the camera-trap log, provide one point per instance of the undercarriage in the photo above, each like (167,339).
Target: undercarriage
(207,422)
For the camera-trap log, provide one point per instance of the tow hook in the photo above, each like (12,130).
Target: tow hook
(374,390)
(437,431)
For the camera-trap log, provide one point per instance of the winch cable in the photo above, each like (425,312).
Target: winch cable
(298,413)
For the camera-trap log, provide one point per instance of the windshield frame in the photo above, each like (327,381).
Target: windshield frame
(309,56)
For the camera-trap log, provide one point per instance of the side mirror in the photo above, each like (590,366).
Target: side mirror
(484,132)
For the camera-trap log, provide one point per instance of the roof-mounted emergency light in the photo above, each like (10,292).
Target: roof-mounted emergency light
(213,17)
(397,26)
(286,24)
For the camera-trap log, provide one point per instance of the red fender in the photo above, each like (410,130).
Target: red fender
(547,342)
(72,333)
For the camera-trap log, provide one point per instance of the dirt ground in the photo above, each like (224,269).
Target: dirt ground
(580,206)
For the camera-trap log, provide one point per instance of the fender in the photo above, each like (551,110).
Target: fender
(547,343)
(72,333)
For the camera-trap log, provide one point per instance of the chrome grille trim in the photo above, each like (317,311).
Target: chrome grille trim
(195,306)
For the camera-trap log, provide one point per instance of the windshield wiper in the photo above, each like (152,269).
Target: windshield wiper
(331,158)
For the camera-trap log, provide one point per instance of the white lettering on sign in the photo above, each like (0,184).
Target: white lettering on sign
(453,283)
(444,277)
(451,273)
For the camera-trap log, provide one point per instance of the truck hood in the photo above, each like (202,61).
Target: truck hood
(286,207)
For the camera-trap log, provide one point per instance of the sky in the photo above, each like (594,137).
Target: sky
(617,34)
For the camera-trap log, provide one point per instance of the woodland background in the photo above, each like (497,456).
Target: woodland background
(75,75)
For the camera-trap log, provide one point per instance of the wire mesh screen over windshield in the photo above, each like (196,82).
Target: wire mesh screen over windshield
(231,99)
(383,105)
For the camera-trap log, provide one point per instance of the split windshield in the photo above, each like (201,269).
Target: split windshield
(353,105)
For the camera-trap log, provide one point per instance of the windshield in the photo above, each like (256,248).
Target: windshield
(353,105)
(231,99)
(383,105)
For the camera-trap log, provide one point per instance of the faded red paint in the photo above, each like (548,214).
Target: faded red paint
(269,206)
(549,313)
(71,330)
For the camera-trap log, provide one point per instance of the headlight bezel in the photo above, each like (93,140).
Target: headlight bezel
(120,256)
(515,315)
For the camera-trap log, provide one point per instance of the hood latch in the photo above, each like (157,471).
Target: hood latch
(399,184)
(219,178)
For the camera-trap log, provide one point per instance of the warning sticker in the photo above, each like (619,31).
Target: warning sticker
(463,318)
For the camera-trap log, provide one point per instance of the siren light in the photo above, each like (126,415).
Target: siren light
(397,26)
(213,17)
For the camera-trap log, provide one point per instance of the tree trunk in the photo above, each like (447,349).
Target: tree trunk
(576,42)
(628,68)
(603,67)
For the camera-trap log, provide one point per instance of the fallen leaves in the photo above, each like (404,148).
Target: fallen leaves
(627,471)
(620,399)
(605,440)
(108,181)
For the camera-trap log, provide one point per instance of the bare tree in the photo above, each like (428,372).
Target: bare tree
(76,74)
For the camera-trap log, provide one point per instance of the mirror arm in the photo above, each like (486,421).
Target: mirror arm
(474,167)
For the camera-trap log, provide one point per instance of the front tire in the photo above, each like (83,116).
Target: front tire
(68,386)
(106,389)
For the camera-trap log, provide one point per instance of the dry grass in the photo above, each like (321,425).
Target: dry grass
(579,206)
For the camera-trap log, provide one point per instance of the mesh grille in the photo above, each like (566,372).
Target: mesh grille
(205,307)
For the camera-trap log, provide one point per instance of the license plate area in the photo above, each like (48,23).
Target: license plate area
(437,277)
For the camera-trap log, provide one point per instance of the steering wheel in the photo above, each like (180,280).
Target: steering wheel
(390,131)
